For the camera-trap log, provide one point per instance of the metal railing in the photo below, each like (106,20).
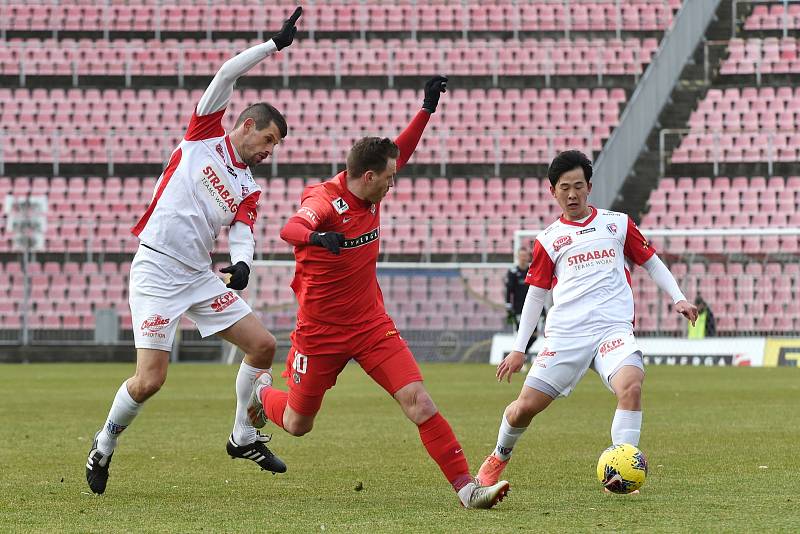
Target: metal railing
(626,142)
(716,154)
(784,19)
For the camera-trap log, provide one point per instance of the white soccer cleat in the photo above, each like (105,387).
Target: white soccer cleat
(255,409)
(483,497)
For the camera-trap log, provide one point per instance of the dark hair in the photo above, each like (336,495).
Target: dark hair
(370,154)
(565,162)
(263,114)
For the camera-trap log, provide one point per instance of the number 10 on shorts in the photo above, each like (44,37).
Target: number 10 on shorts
(300,366)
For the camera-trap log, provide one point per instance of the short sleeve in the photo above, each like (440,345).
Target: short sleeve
(205,126)
(637,248)
(540,273)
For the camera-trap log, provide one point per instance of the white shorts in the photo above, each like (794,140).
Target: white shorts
(564,360)
(162,289)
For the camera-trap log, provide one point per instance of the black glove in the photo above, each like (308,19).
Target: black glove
(330,240)
(284,38)
(240,274)
(433,88)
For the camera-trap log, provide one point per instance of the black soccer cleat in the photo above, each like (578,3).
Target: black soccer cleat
(97,469)
(257,452)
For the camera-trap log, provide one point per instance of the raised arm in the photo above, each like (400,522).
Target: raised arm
(407,141)
(219,91)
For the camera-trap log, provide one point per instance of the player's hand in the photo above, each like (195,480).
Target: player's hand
(687,309)
(240,274)
(284,38)
(433,89)
(330,240)
(510,365)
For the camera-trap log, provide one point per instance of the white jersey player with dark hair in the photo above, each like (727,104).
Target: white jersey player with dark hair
(206,185)
(584,258)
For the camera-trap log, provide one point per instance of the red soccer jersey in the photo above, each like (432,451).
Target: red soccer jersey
(341,289)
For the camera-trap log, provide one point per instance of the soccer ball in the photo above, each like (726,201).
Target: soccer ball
(622,468)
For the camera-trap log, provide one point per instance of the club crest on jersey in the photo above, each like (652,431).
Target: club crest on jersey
(340,205)
(372,209)
(562,242)
(612,228)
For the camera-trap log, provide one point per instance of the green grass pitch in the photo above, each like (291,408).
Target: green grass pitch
(722,445)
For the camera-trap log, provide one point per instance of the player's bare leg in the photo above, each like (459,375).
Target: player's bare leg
(516,419)
(151,372)
(444,448)
(259,347)
(627,424)
(627,386)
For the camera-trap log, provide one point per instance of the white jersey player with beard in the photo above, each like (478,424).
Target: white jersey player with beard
(585,259)
(206,185)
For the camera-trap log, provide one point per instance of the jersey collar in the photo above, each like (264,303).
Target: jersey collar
(584,223)
(234,156)
(349,197)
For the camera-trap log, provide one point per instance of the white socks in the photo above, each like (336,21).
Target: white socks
(243,431)
(507,437)
(123,410)
(626,427)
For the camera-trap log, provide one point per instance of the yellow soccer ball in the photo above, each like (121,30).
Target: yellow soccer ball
(622,468)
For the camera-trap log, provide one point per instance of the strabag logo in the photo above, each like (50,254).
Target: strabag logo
(562,242)
(223,301)
(362,240)
(218,191)
(578,259)
(608,346)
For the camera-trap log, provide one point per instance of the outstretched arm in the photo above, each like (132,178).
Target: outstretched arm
(531,310)
(409,138)
(219,91)
(664,279)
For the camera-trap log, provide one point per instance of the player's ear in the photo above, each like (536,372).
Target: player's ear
(368,176)
(249,124)
(553,191)
(589,186)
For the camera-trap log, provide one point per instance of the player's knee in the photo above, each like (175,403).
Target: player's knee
(266,346)
(417,404)
(143,387)
(631,391)
(298,428)
(425,407)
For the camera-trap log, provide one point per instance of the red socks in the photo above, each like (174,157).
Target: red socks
(443,447)
(274,401)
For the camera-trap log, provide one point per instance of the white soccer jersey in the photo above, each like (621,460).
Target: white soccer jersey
(587,266)
(203,188)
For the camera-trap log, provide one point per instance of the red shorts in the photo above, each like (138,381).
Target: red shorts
(376,346)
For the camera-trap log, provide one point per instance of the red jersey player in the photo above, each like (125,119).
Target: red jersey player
(206,185)
(341,315)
